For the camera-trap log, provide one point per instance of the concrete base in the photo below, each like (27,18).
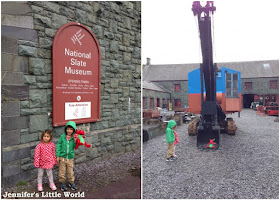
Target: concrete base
(152,131)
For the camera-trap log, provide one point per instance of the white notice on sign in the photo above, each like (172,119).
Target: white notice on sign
(77,110)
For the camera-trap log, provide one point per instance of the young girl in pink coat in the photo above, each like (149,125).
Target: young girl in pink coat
(175,142)
(44,158)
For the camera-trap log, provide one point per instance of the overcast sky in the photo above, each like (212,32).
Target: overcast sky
(243,31)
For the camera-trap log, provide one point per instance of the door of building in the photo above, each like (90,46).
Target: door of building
(144,102)
(247,100)
(177,103)
(158,102)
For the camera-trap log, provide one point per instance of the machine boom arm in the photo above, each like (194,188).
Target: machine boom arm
(208,68)
(208,129)
(212,119)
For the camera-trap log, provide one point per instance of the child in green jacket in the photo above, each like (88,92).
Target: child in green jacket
(170,138)
(65,155)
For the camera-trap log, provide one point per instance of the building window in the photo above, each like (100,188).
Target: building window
(232,85)
(144,102)
(235,93)
(151,103)
(248,85)
(177,103)
(228,85)
(273,84)
(177,87)
(158,102)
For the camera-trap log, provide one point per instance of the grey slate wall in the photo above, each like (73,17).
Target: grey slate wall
(182,94)
(260,86)
(28,29)
(155,94)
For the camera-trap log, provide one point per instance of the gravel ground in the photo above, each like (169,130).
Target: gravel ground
(92,176)
(245,165)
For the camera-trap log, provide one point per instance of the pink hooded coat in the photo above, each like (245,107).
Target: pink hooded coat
(44,156)
(176,138)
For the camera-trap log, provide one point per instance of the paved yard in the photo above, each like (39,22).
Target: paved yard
(245,166)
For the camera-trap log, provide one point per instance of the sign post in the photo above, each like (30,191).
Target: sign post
(76,75)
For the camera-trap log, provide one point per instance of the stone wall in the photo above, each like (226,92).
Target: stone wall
(169,86)
(182,94)
(28,29)
(155,94)
(260,86)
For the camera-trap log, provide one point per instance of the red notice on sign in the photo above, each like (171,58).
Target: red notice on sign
(76,75)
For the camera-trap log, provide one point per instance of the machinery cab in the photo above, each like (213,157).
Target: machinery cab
(228,90)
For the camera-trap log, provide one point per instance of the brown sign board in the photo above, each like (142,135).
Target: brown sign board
(76,65)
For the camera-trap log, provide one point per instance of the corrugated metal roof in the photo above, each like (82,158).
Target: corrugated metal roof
(248,69)
(153,86)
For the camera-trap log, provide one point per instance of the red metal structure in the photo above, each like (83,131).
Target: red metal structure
(151,113)
(272,109)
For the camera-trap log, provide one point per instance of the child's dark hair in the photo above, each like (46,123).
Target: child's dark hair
(47,131)
(70,127)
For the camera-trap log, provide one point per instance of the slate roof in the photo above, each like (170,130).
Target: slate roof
(153,86)
(248,69)
(255,69)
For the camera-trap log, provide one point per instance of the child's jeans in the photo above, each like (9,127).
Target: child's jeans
(170,150)
(66,166)
(41,173)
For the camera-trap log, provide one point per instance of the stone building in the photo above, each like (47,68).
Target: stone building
(259,79)
(154,96)
(28,30)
